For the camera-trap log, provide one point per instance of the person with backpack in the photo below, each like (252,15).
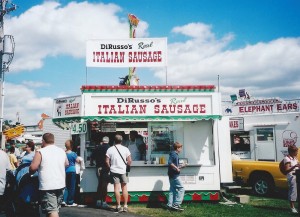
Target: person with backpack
(291,164)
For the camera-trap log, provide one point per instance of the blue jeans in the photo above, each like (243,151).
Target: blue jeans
(176,193)
(69,193)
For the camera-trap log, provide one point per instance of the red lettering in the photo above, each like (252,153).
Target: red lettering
(156,109)
(202,108)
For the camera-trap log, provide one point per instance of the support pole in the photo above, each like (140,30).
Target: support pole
(2,6)
(3,11)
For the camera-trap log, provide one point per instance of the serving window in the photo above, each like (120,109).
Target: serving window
(162,136)
(240,143)
(158,137)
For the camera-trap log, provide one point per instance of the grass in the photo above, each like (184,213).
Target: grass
(276,205)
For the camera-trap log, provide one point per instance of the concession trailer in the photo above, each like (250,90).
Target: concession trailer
(262,129)
(162,115)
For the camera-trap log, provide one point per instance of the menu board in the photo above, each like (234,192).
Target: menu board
(108,127)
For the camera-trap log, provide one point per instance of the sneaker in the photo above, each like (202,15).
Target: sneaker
(294,210)
(63,204)
(98,203)
(105,205)
(177,207)
(125,209)
(72,205)
(118,209)
(166,206)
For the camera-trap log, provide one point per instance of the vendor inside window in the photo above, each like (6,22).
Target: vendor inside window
(240,142)
(136,146)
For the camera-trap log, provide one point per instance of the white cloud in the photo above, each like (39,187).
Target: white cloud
(50,29)
(20,99)
(264,68)
(35,84)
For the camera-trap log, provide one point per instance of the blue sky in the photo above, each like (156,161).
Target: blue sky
(250,44)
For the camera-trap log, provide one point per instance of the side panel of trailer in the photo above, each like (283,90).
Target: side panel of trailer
(60,135)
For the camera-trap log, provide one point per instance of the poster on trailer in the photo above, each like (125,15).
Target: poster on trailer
(67,107)
(133,52)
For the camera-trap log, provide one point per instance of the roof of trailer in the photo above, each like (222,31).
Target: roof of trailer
(151,88)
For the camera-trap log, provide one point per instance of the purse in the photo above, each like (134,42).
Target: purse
(127,166)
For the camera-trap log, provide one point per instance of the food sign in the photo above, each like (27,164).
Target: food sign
(67,107)
(133,52)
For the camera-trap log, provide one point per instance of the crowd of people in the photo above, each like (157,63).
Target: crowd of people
(56,170)
(58,173)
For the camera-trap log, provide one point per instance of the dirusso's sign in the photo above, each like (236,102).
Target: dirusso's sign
(133,52)
(148,106)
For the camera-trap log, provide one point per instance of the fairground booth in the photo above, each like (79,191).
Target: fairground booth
(161,115)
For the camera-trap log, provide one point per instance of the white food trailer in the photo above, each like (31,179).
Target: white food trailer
(262,129)
(190,115)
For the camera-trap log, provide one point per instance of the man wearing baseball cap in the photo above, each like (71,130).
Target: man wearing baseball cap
(99,155)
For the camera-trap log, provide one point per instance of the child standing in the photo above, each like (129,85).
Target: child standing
(176,193)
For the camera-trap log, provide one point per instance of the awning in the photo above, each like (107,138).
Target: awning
(64,122)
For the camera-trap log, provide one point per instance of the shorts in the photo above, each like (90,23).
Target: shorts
(51,200)
(118,178)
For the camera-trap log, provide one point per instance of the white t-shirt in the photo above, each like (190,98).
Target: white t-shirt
(4,166)
(52,173)
(117,165)
(293,161)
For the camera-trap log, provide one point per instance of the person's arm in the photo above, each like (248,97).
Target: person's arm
(289,168)
(16,162)
(171,164)
(183,165)
(107,161)
(36,162)
(66,162)
(175,167)
(78,160)
(129,160)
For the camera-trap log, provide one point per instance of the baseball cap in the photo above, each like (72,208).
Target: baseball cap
(105,139)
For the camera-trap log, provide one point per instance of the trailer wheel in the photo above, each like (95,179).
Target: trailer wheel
(262,184)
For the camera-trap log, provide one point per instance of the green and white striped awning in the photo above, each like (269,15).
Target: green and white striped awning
(64,122)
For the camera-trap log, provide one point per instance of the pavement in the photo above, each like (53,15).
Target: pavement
(85,212)
(92,212)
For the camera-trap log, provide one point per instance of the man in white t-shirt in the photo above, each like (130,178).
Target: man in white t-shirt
(117,157)
(4,166)
(50,161)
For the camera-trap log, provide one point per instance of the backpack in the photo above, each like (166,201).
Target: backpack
(282,167)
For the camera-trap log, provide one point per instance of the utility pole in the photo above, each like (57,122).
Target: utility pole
(9,53)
